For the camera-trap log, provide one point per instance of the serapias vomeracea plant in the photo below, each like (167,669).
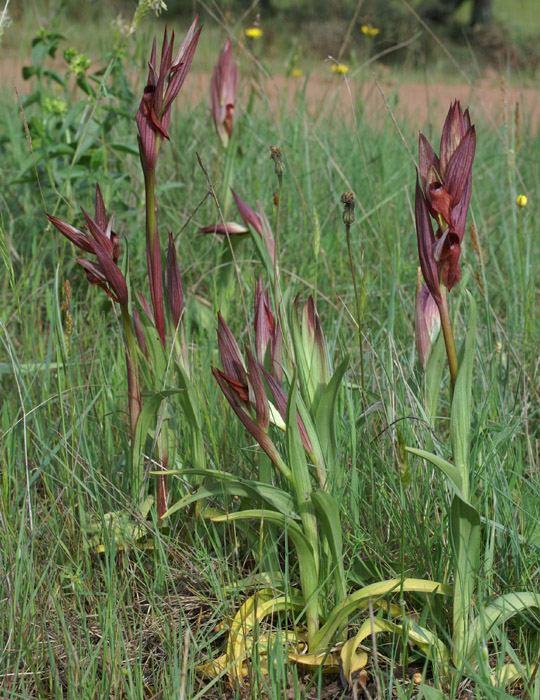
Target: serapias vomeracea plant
(442,199)
(147,324)
(444,195)
(298,396)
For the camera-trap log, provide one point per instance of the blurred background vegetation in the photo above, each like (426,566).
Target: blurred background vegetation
(501,34)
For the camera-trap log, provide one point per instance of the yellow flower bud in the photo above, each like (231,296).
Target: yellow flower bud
(522,200)
(254,32)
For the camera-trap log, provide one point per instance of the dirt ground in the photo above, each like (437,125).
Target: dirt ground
(424,104)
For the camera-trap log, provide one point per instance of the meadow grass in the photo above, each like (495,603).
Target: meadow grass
(136,623)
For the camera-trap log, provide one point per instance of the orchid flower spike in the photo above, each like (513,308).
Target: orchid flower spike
(223,93)
(444,193)
(154,113)
(99,239)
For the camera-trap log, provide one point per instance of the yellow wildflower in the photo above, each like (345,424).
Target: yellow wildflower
(254,32)
(340,68)
(368,30)
(522,200)
(297,73)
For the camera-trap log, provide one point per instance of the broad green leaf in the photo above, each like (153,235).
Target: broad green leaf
(497,613)
(302,364)
(191,406)
(353,660)
(360,599)
(433,376)
(156,352)
(465,538)
(426,692)
(241,636)
(327,512)
(147,420)
(460,416)
(313,436)
(307,561)
(447,469)
(222,483)
(326,415)
(300,472)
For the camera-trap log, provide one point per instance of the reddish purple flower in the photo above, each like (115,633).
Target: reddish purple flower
(98,238)
(267,330)
(173,284)
(445,195)
(258,221)
(243,388)
(223,93)
(154,113)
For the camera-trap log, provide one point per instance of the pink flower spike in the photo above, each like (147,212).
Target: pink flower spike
(173,284)
(223,93)
(249,216)
(446,193)
(104,244)
(154,114)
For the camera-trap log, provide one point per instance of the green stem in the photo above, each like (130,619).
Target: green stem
(448,336)
(358,312)
(134,394)
(277,294)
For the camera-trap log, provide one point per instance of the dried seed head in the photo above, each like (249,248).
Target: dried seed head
(347,198)
(275,155)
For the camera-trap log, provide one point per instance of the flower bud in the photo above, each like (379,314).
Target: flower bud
(427,324)
(347,198)
(275,155)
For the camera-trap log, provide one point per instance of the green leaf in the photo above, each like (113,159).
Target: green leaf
(307,564)
(497,613)
(465,538)
(302,363)
(327,512)
(429,693)
(222,483)
(447,469)
(460,416)
(147,419)
(433,376)
(360,599)
(326,415)
(156,352)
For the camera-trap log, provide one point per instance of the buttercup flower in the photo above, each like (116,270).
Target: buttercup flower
(297,73)
(368,30)
(522,200)
(254,32)
(340,68)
